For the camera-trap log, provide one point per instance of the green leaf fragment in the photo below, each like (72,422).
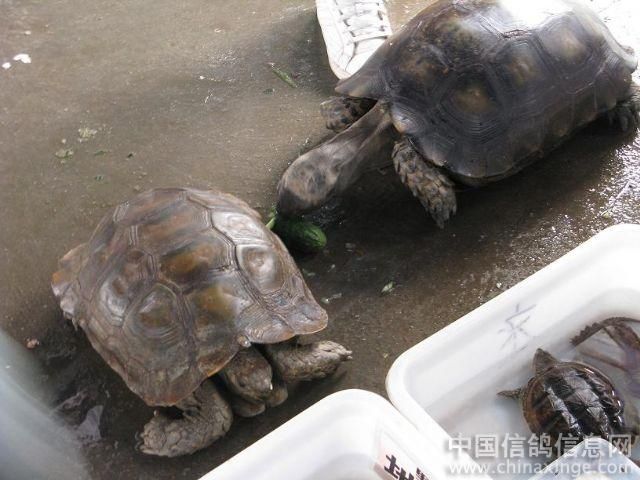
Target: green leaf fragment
(284,76)
(271,223)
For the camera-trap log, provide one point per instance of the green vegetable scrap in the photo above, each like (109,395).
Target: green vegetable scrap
(271,223)
(284,76)
(298,234)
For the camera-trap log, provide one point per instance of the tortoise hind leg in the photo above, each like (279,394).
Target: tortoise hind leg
(341,112)
(626,114)
(427,183)
(206,418)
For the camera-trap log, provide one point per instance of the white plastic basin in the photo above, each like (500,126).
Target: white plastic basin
(447,384)
(349,435)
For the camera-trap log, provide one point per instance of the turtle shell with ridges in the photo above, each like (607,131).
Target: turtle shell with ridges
(174,282)
(573,400)
(483,87)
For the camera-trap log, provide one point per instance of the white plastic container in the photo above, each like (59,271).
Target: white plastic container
(350,435)
(447,384)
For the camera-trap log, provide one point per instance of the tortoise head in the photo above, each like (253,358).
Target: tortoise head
(543,360)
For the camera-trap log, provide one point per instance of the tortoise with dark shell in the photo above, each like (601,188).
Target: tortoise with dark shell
(178,285)
(472,91)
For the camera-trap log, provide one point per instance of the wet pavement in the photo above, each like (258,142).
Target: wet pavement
(181,93)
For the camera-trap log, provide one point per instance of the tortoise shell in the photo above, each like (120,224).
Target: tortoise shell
(481,87)
(571,399)
(174,282)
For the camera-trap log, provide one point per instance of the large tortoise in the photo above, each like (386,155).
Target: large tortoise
(569,401)
(473,90)
(177,285)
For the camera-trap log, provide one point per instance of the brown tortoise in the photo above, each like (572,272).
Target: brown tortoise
(177,285)
(571,401)
(473,90)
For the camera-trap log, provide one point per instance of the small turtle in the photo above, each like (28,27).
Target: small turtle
(177,285)
(473,91)
(571,400)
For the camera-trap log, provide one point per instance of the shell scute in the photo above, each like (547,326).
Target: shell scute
(473,104)
(219,300)
(523,72)
(263,267)
(240,227)
(122,284)
(171,226)
(572,52)
(156,321)
(151,202)
(192,261)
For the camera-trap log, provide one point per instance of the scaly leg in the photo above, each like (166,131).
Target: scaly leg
(626,114)
(306,362)
(248,375)
(341,112)
(246,408)
(427,183)
(279,393)
(206,418)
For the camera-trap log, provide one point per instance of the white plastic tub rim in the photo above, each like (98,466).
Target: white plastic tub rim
(599,279)
(350,435)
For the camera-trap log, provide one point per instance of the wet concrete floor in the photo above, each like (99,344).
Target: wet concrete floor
(181,93)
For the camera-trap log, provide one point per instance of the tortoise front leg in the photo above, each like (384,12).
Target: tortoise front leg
(249,375)
(246,408)
(250,408)
(626,114)
(279,393)
(341,112)
(427,183)
(206,417)
(296,362)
